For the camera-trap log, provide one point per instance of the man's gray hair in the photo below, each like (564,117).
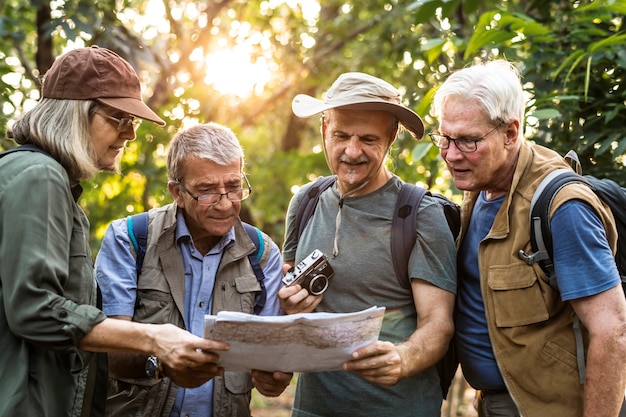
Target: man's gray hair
(494,86)
(210,141)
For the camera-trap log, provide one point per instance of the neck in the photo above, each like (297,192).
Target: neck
(369,185)
(205,244)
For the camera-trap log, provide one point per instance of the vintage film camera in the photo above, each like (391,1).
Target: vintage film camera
(313,273)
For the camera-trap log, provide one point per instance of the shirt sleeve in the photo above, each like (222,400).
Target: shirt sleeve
(433,258)
(583,261)
(273,272)
(116,271)
(46,274)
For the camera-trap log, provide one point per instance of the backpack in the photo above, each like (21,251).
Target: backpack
(138,234)
(541,236)
(403,235)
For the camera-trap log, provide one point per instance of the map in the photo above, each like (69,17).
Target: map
(305,342)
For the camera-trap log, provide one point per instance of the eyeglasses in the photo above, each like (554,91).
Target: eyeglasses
(210,199)
(122,124)
(462,144)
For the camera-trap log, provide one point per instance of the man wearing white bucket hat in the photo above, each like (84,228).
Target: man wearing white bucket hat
(351,224)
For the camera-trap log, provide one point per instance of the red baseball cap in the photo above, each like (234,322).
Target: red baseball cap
(97,74)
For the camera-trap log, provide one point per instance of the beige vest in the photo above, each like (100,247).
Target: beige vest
(160,299)
(529,326)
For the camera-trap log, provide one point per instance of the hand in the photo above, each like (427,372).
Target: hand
(379,362)
(295,299)
(193,377)
(180,350)
(270,384)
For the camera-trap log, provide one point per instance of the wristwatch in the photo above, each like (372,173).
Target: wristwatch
(154,368)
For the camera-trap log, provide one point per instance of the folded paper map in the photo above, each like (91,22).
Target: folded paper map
(305,342)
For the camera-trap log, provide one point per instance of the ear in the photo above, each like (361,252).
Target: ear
(393,135)
(176,193)
(512,130)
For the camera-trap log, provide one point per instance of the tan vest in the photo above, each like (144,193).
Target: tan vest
(160,299)
(529,326)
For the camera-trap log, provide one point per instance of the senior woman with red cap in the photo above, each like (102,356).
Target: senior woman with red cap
(352,222)
(49,317)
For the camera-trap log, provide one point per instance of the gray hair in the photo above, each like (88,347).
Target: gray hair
(210,141)
(494,86)
(61,128)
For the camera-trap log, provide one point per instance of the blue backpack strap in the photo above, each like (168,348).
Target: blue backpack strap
(138,234)
(307,205)
(255,262)
(403,229)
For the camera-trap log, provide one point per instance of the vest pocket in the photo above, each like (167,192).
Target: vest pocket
(517,296)
(154,306)
(238,382)
(245,287)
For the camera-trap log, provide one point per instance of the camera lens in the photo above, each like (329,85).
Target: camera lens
(318,284)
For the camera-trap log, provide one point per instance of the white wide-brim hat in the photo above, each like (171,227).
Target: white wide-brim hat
(359,91)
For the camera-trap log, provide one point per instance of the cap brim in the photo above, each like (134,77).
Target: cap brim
(306,106)
(133,106)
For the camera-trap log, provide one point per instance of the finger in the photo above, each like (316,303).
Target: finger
(210,345)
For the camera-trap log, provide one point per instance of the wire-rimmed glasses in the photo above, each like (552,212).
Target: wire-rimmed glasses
(210,199)
(466,145)
(122,124)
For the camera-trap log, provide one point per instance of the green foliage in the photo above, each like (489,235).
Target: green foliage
(572,57)
(574,67)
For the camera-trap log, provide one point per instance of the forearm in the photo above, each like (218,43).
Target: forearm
(605,379)
(112,335)
(435,327)
(427,345)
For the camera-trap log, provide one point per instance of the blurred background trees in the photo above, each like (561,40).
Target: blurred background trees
(240,63)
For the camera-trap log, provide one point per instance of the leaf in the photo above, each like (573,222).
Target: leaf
(545,114)
(421,150)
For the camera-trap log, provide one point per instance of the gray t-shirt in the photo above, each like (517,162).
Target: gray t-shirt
(365,277)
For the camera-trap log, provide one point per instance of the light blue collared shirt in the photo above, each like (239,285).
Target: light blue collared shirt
(115,271)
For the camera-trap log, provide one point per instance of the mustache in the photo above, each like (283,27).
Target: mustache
(360,160)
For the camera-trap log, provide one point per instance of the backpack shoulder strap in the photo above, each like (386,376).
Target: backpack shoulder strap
(138,234)
(540,232)
(255,262)
(403,229)
(307,205)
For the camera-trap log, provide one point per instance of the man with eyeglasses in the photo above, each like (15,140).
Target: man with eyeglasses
(514,330)
(196,264)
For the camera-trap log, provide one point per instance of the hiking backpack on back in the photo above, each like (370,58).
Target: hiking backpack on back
(403,236)
(403,228)
(541,235)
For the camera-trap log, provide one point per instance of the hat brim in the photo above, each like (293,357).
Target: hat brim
(306,106)
(132,106)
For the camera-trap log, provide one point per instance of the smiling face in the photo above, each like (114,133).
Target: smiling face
(108,141)
(356,143)
(491,166)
